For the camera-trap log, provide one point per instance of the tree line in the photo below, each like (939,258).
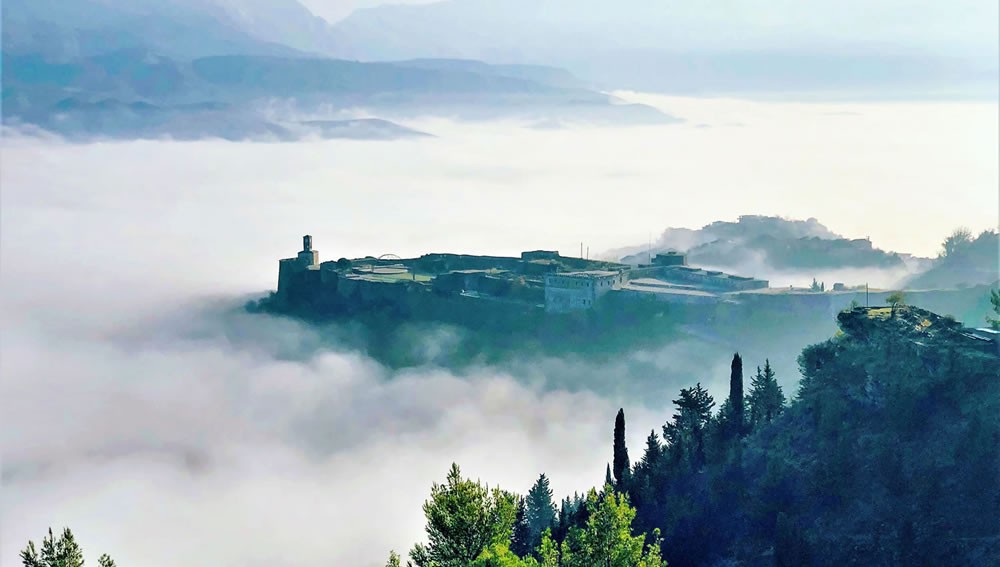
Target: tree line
(886,455)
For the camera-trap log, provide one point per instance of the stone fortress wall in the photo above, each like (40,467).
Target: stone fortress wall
(538,279)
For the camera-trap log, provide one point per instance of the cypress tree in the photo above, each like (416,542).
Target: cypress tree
(621,463)
(736,395)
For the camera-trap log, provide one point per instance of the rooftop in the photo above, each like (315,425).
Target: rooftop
(653,282)
(659,288)
(590,274)
(710,273)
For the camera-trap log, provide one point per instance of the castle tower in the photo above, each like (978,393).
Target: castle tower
(308,256)
(289,268)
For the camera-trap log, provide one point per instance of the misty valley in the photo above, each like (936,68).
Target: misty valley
(499,283)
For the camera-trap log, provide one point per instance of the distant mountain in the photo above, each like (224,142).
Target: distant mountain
(546,75)
(673,45)
(691,46)
(247,69)
(284,22)
(70,29)
(776,243)
(138,93)
(772,246)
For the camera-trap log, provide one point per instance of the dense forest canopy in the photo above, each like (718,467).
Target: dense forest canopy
(887,455)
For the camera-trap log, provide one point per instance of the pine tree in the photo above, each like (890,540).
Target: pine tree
(463,519)
(685,435)
(608,479)
(393,560)
(56,552)
(106,561)
(651,457)
(766,400)
(647,475)
(622,467)
(540,511)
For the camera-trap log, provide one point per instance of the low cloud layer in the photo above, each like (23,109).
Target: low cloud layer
(142,408)
(182,449)
(171,431)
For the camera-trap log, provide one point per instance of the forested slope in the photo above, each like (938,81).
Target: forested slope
(888,455)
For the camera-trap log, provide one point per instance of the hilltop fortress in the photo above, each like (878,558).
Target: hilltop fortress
(565,300)
(538,280)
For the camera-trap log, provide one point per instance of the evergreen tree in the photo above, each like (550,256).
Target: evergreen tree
(463,519)
(606,540)
(685,435)
(56,552)
(540,511)
(522,543)
(581,513)
(735,417)
(647,477)
(562,525)
(651,456)
(393,560)
(766,400)
(622,467)
(106,561)
(608,479)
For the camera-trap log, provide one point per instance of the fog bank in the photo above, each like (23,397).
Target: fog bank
(144,410)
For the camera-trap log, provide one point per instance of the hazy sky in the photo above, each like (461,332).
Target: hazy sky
(886,26)
(333,10)
(167,429)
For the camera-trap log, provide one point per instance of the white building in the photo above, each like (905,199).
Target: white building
(573,291)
